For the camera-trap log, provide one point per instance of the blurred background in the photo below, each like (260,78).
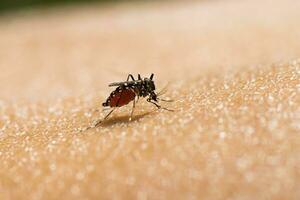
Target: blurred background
(77,49)
(79,46)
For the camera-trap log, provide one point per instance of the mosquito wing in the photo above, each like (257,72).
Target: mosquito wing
(116,84)
(123,83)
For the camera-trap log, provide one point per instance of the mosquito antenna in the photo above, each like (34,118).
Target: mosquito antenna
(163,90)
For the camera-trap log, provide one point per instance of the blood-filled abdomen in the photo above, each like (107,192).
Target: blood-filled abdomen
(121,97)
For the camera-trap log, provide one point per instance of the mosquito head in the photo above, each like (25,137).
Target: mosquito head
(148,88)
(153,96)
(149,84)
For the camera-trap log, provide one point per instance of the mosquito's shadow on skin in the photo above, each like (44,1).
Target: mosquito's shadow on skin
(122,119)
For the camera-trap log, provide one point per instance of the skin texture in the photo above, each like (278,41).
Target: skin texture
(232,70)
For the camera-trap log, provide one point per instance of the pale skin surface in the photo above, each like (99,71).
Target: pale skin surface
(235,132)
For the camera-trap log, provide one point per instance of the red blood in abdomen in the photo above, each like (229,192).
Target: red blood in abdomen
(122,98)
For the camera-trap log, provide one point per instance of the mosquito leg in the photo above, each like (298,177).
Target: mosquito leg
(97,122)
(98,110)
(159,107)
(100,121)
(132,110)
(130,76)
(166,100)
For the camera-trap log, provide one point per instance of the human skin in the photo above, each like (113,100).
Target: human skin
(231,68)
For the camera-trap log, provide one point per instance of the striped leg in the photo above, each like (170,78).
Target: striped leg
(132,110)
